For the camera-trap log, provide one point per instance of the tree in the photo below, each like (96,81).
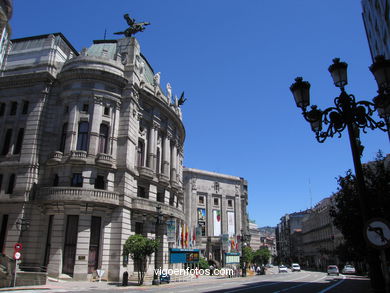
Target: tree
(261,256)
(247,254)
(346,212)
(139,248)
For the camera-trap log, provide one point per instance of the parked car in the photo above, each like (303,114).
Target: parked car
(349,269)
(295,267)
(165,278)
(333,270)
(283,269)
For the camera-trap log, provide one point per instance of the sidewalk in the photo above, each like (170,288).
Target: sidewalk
(53,286)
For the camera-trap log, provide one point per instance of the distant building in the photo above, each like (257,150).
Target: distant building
(5,29)
(320,237)
(286,240)
(215,209)
(255,236)
(376,18)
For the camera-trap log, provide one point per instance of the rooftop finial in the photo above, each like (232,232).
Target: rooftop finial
(134,27)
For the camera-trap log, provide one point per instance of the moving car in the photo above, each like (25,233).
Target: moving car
(348,269)
(165,278)
(283,269)
(295,267)
(333,270)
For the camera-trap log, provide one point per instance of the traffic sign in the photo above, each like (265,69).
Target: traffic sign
(17,255)
(18,247)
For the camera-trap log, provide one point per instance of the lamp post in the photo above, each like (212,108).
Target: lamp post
(353,115)
(159,221)
(244,238)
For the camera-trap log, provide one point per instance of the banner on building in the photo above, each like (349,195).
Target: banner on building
(217,222)
(171,230)
(231,223)
(201,215)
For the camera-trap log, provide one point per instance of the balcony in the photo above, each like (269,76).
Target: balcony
(55,158)
(148,205)
(145,173)
(75,194)
(78,156)
(163,179)
(104,160)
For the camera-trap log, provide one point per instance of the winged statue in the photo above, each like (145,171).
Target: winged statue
(134,27)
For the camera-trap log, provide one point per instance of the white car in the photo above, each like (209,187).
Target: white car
(295,267)
(348,269)
(283,269)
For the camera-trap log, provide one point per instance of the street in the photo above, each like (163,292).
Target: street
(303,281)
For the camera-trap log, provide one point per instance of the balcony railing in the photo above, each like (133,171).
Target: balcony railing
(104,159)
(78,156)
(76,194)
(145,204)
(145,172)
(55,157)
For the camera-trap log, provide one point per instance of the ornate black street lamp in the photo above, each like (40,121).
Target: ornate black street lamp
(244,239)
(159,222)
(350,114)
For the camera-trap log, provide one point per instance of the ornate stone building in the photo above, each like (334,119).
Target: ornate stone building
(90,146)
(215,208)
(5,29)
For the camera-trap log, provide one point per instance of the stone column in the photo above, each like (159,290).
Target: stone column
(166,155)
(71,137)
(94,125)
(82,252)
(150,154)
(173,161)
(114,131)
(155,128)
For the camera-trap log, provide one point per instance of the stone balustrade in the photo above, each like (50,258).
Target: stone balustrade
(77,194)
(145,204)
(78,156)
(104,159)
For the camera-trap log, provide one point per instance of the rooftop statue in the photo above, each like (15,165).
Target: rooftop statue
(134,27)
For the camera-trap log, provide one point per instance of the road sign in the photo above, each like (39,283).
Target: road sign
(377,232)
(17,255)
(18,247)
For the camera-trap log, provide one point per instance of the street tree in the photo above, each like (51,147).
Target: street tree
(346,211)
(261,256)
(140,248)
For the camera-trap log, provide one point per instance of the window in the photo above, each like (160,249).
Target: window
(7,142)
(55,180)
(158,161)
(25,107)
(201,199)
(107,111)
(77,180)
(63,137)
(230,203)
(141,153)
(160,195)
(1,180)
(2,109)
(99,182)
(11,184)
(171,199)
(82,137)
(142,192)
(216,202)
(19,141)
(103,138)
(85,108)
(14,107)
(66,110)
(139,227)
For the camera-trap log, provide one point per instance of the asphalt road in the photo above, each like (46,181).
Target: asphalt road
(297,282)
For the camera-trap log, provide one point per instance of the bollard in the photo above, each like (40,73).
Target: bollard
(125,279)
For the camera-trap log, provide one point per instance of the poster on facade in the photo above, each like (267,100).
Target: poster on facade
(231,224)
(217,222)
(171,230)
(201,215)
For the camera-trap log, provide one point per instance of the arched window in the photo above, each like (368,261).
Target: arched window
(11,184)
(63,137)
(141,153)
(19,141)
(7,142)
(55,180)
(82,137)
(158,169)
(103,138)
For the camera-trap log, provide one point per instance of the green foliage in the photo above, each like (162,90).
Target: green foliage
(203,264)
(139,248)
(346,212)
(247,254)
(261,256)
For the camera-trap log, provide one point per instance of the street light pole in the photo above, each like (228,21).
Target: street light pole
(159,221)
(347,113)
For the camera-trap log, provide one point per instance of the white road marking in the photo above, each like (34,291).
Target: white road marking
(332,286)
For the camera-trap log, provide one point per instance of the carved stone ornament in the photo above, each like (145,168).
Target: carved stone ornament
(193,183)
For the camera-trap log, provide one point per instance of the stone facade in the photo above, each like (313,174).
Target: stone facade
(376,17)
(215,205)
(90,147)
(5,30)
(255,243)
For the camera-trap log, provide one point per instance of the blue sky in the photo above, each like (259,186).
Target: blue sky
(236,60)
